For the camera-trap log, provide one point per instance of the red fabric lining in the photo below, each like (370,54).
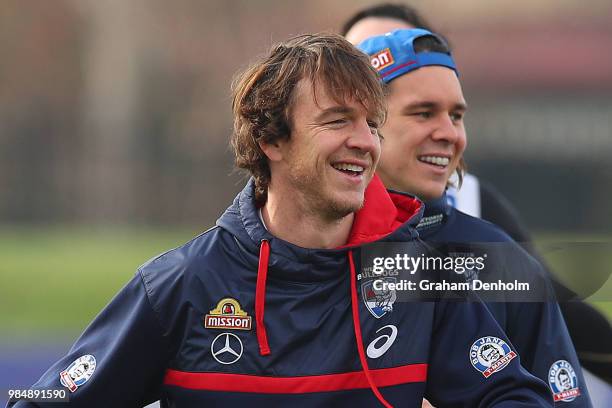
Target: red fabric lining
(381,214)
(260,298)
(384,377)
(406,206)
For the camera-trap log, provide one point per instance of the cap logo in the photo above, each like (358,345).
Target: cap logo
(382,59)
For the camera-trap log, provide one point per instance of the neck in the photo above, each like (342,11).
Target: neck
(291,221)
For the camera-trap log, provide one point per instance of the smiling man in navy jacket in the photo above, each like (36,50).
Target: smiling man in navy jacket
(589,330)
(265,308)
(424,145)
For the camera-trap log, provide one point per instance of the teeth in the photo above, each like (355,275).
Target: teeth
(440,161)
(346,166)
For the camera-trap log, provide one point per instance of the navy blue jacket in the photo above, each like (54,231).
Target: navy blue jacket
(535,328)
(237,317)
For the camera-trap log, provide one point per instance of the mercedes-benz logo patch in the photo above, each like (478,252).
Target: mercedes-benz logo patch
(226,348)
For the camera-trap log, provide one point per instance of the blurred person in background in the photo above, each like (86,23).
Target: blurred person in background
(589,329)
(189,329)
(423,147)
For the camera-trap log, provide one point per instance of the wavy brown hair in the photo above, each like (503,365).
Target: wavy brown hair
(263,95)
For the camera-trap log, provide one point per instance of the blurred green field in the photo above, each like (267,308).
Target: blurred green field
(55,280)
(583,262)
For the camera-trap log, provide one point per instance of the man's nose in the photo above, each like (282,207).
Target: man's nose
(364,137)
(446,130)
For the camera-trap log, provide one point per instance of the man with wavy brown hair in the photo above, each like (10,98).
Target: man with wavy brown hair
(286,257)
(265,97)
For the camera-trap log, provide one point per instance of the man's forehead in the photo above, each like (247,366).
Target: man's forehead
(371,26)
(318,92)
(431,84)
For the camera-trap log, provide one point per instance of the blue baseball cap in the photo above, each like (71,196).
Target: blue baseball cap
(392,54)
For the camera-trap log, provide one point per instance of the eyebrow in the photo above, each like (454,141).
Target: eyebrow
(461,106)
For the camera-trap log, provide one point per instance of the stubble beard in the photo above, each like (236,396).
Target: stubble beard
(317,201)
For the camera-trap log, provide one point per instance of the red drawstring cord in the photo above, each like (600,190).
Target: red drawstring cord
(260,297)
(358,338)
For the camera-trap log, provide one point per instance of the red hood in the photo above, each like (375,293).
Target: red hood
(382,213)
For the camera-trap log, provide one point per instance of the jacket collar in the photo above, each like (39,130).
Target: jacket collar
(385,216)
(436,212)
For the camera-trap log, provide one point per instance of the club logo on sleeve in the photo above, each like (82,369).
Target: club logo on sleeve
(490,355)
(378,301)
(78,373)
(228,315)
(563,381)
(382,59)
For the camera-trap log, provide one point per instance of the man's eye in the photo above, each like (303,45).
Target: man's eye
(457,117)
(423,114)
(373,127)
(337,122)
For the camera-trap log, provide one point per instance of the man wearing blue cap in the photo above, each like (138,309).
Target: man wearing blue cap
(424,143)
(589,329)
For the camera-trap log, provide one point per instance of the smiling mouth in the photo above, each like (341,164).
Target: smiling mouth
(350,169)
(438,161)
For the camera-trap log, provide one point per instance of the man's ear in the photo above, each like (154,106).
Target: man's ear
(274,150)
